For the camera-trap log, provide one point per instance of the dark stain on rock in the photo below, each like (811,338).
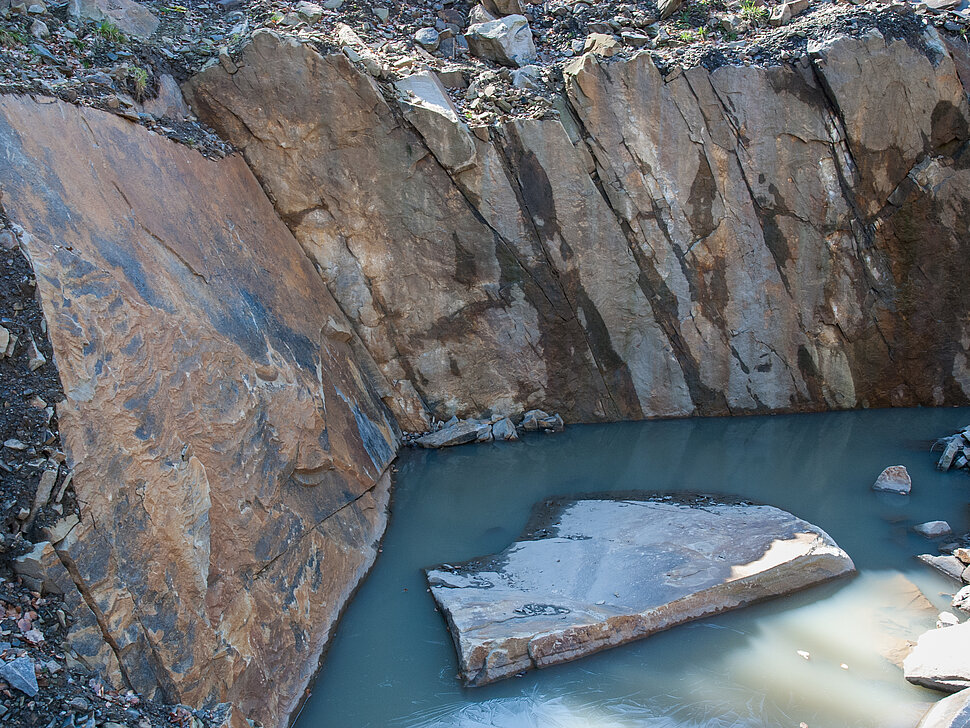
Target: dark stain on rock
(700,202)
(948,127)
(466,271)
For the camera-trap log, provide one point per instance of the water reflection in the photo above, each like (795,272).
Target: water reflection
(392,662)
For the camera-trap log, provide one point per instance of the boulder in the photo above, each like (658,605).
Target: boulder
(534,420)
(504,430)
(591,574)
(952,711)
(230,461)
(130,17)
(460,433)
(933,529)
(941,659)
(894,479)
(668,7)
(507,41)
(602,44)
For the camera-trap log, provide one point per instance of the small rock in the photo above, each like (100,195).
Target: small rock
(333,4)
(668,7)
(310,12)
(19,674)
(39,29)
(504,430)
(225,60)
(894,479)
(14,444)
(35,360)
(4,341)
(427,38)
(933,529)
(37,9)
(947,619)
(635,40)
(780,15)
(602,45)
(526,77)
(507,41)
(478,14)
(962,554)
(382,14)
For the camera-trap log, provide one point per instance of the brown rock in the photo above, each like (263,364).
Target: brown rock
(225,519)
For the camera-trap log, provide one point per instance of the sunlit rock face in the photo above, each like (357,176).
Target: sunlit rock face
(229,456)
(592,574)
(711,242)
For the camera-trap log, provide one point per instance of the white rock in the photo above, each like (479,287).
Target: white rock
(941,659)
(507,41)
(947,619)
(961,600)
(933,529)
(894,479)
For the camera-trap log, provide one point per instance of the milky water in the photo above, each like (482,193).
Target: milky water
(392,662)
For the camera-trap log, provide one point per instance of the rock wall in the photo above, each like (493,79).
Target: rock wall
(742,239)
(229,448)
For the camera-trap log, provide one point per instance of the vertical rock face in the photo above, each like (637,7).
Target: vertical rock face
(229,455)
(737,240)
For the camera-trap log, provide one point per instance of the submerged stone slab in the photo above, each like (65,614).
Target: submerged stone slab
(596,573)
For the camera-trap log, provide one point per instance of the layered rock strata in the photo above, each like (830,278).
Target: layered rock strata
(228,443)
(592,574)
(743,239)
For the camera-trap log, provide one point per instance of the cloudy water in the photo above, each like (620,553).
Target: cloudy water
(392,662)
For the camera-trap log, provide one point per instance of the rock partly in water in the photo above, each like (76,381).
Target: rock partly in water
(949,565)
(961,600)
(894,479)
(592,574)
(951,712)
(933,529)
(504,430)
(458,433)
(534,420)
(941,659)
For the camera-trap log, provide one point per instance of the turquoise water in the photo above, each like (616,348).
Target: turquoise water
(392,662)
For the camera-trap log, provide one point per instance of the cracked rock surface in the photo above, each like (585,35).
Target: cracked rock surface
(228,452)
(596,573)
(743,239)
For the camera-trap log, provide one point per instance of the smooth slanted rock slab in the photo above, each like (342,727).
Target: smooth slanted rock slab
(951,712)
(941,659)
(592,574)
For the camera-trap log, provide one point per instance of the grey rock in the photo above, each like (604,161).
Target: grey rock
(593,574)
(460,433)
(39,29)
(382,14)
(961,600)
(310,12)
(941,659)
(953,446)
(933,529)
(479,14)
(668,7)
(504,430)
(952,711)
(427,38)
(534,420)
(894,479)
(507,41)
(526,77)
(130,17)
(949,565)
(19,674)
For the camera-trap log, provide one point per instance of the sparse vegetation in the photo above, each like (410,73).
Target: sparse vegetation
(109,32)
(753,12)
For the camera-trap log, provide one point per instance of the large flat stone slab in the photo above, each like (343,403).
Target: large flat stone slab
(595,573)
(941,659)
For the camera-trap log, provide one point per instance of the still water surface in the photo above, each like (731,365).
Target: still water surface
(392,662)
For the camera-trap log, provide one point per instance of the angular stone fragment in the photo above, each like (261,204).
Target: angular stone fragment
(130,17)
(461,432)
(933,529)
(949,565)
(894,479)
(19,674)
(592,574)
(507,41)
(504,430)
(941,659)
(951,712)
